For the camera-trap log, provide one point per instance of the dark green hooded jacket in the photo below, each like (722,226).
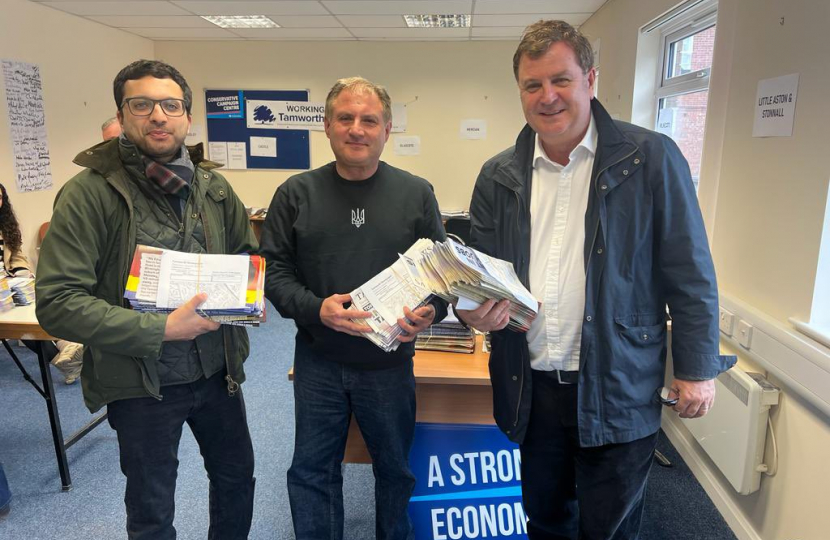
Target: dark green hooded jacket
(84,264)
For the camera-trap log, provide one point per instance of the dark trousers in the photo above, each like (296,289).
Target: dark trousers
(570,492)
(148,438)
(326,394)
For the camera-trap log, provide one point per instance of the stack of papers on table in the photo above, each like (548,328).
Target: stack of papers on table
(23,290)
(457,273)
(449,336)
(6,300)
(162,280)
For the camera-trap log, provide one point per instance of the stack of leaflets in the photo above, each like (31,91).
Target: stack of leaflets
(458,274)
(6,300)
(449,336)
(162,280)
(467,278)
(23,290)
(386,294)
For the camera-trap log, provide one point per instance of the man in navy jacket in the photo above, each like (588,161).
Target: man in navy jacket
(601,221)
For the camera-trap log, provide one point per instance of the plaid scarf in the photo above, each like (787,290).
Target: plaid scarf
(173,177)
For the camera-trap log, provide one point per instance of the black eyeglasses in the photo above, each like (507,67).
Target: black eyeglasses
(141,106)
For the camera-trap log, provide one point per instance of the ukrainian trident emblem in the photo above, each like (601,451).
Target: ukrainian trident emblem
(358,217)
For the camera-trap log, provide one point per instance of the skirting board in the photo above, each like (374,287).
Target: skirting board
(717,488)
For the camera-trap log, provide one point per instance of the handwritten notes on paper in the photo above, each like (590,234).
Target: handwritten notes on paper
(24,97)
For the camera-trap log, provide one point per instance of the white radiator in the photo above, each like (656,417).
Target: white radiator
(734,431)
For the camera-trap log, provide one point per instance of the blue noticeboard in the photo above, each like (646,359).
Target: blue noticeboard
(226,122)
(468,483)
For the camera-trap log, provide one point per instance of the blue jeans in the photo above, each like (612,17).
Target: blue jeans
(149,431)
(326,394)
(572,492)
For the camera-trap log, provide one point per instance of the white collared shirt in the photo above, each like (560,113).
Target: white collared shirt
(558,202)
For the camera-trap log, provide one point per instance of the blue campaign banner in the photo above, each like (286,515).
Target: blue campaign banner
(468,483)
(224,104)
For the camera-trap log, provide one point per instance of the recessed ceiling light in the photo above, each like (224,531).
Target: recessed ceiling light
(437,21)
(241,21)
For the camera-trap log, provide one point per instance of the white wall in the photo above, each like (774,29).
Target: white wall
(771,196)
(451,81)
(78,60)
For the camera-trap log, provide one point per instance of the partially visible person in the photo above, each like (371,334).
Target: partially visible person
(328,231)
(155,372)
(110,129)
(66,355)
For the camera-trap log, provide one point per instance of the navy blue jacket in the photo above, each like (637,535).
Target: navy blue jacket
(645,248)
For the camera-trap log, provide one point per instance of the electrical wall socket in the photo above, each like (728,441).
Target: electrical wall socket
(726,321)
(744,334)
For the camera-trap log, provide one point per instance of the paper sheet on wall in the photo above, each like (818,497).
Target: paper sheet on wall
(195,134)
(236,156)
(399,119)
(407,145)
(264,146)
(473,129)
(218,152)
(27,123)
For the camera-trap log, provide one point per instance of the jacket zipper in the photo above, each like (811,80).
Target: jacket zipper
(233,386)
(596,182)
(522,370)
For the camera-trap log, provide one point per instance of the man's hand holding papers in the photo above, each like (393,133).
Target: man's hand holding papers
(414,322)
(184,323)
(488,317)
(336,317)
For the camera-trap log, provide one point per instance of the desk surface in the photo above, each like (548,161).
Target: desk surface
(434,367)
(21,323)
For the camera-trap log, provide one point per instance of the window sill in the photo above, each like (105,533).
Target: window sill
(814,332)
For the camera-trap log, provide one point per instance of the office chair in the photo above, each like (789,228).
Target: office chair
(458,229)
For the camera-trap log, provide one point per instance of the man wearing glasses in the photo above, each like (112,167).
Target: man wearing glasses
(154,372)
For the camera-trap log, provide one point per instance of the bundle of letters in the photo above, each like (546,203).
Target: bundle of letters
(449,336)
(23,290)
(467,278)
(459,274)
(162,280)
(6,300)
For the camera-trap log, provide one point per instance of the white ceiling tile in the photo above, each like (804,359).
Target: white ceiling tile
(409,39)
(537,6)
(289,7)
(398,7)
(147,21)
(292,33)
(411,33)
(373,21)
(125,7)
(182,33)
(528,18)
(500,31)
(306,21)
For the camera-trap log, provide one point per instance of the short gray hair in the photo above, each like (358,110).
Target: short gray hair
(359,85)
(108,123)
(539,36)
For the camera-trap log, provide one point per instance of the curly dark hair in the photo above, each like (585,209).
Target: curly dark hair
(9,227)
(149,68)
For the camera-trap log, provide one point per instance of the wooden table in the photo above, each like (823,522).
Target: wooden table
(450,388)
(256,224)
(21,323)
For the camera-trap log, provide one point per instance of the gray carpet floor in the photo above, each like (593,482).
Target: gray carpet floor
(677,507)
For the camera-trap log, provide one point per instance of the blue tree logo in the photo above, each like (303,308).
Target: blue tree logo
(263,115)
